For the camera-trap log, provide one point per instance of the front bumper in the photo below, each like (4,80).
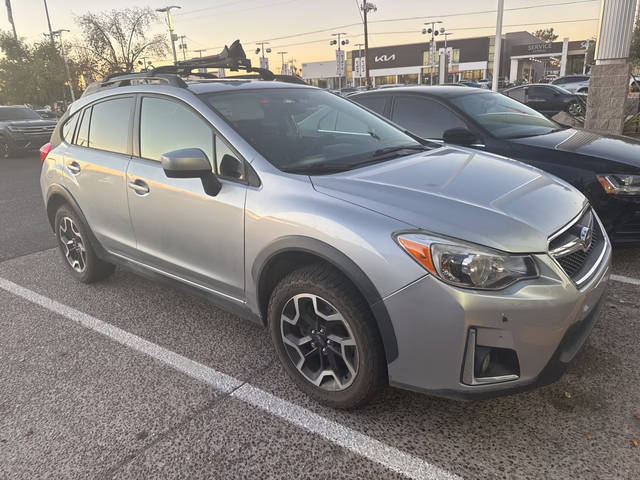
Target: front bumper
(545,321)
(621,218)
(27,142)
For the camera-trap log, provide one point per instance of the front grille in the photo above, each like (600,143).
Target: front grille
(40,130)
(575,254)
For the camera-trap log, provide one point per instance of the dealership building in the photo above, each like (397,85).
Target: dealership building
(524,57)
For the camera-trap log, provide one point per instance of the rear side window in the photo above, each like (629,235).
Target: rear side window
(69,127)
(424,117)
(517,94)
(82,138)
(110,122)
(166,125)
(376,104)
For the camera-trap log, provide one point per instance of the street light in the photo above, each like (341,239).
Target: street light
(173,37)
(366,8)
(264,62)
(64,58)
(432,47)
(339,54)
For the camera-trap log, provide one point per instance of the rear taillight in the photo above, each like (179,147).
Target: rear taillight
(44,151)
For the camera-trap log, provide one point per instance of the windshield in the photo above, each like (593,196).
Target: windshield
(17,113)
(504,117)
(304,130)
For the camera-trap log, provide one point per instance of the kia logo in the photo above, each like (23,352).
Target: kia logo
(384,58)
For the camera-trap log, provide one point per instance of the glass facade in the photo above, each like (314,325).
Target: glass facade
(385,80)
(408,79)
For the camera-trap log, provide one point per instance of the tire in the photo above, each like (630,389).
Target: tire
(5,152)
(575,109)
(79,256)
(359,340)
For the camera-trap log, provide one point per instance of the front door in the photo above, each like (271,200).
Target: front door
(180,230)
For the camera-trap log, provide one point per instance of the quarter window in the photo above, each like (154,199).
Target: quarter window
(166,125)
(110,122)
(82,138)
(69,127)
(424,117)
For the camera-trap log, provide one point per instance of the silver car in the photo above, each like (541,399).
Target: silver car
(573,83)
(372,258)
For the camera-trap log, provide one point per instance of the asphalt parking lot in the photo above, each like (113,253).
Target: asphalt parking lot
(130,379)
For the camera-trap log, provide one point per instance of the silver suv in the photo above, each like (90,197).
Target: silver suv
(373,259)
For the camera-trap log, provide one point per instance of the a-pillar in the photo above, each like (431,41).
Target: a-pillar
(609,84)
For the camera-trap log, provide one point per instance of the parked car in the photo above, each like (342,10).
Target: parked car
(22,130)
(573,83)
(372,257)
(549,99)
(605,168)
(469,83)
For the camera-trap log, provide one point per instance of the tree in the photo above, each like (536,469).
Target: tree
(546,34)
(634,54)
(31,73)
(113,41)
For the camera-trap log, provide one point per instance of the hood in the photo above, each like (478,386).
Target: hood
(615,148)
(462,193)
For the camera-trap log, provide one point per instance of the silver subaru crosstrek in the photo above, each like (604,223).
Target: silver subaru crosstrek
(373,259)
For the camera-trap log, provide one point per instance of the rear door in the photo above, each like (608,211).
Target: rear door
(95,164)
(543,99)
(180,230)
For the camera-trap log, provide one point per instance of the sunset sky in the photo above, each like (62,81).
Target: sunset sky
(212,23)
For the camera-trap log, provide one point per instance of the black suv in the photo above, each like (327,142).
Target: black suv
(22,130)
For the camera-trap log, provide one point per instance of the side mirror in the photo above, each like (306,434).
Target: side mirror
(231,167)
(459,136)
(191,163)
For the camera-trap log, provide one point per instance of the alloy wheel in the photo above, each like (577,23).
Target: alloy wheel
(72,244)
(319,342)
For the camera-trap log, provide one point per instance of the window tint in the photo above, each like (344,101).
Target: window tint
(517,94)
(166,125)
(82,138)
(372,103)
(426,118)
(69,127)
(539,93)
(227,162)
(110,125)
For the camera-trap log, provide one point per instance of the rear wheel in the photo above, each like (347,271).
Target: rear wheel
(326,337)
(575,109)
(76,248)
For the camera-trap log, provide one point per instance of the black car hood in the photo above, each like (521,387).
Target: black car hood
(610,147)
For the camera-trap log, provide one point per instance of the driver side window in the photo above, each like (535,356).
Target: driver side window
(424,117)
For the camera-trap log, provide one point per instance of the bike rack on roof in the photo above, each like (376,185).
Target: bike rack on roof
(232,58)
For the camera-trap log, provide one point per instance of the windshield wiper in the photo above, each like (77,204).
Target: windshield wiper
(399,148)
(317,169)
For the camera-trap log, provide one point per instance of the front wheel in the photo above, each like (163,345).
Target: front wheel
(4,149)
(326,337)
(575,109)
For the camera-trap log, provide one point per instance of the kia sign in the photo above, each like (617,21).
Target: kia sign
(384,58)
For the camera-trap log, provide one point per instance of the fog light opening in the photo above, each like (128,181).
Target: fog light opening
(491,362)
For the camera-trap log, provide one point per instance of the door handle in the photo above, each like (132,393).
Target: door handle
(140,187)
(74,168)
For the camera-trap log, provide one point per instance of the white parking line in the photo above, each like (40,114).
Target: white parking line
(358,443)
(623,279)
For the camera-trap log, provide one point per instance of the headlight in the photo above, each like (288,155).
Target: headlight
(465,264)
(620,184)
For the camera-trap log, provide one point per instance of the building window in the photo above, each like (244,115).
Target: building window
(408,79)
(385,80)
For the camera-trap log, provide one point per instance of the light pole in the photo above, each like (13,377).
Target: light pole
(282,54)
(432,46)
(46,11)
(360,72)
(339,55)
(173,37)
(66,65)
(199,51)
(446,56)
(497,46)
(264,63)
(366,8)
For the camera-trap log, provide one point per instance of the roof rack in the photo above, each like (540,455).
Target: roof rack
(232,58)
